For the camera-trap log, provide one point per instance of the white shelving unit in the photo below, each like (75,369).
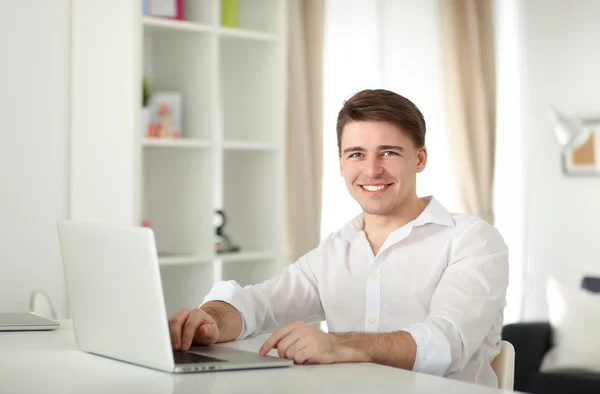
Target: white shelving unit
(177,143)
(231,152)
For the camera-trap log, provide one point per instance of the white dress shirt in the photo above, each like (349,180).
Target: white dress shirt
(441,277)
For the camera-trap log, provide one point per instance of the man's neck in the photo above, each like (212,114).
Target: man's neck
(379,227)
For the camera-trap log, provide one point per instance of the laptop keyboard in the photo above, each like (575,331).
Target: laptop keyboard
(183,357)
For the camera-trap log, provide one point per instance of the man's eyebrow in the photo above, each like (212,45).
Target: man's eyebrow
(391,147)
(354,149)
(380,147)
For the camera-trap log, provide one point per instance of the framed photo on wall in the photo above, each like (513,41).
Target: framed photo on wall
(584,158)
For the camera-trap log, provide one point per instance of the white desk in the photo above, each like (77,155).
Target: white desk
(49,362)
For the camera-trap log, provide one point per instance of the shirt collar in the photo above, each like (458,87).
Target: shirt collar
(434,212)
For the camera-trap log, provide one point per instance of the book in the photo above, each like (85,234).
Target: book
(230,13)
(170,9)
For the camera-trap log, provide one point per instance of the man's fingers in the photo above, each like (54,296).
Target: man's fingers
(274,339)
(291,351)
(302,356)
(176,322)
(283,345)
(195,320)
(207,334)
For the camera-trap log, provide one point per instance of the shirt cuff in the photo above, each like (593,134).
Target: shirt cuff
(433,349)
(232,293)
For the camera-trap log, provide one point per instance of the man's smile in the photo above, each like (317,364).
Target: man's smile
(376,187)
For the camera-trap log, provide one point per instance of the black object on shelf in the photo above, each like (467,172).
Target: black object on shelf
(223,242)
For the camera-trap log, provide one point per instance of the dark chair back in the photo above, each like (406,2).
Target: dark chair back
(591,283)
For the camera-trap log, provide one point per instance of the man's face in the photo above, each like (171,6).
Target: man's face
(379,164)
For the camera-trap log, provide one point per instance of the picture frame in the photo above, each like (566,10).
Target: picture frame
(168,9)
(172,125)
(583,158)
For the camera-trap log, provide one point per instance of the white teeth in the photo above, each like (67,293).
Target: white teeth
(373,188)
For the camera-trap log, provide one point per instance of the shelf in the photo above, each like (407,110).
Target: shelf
(240,257)
(185,285)
(250,274)
(175,201)
(253,103)
(182,63)
(183,260)
(244,34)
(248,146)
(159,25)
(229,155)
(176,143)
(256,176)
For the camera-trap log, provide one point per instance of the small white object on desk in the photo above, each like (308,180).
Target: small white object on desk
(26,322)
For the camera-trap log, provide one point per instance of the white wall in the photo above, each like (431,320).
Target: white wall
(560,66)
(33,149)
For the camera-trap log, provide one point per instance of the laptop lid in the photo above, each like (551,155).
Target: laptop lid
(115,292)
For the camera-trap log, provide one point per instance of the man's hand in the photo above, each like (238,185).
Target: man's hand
(192,325)
(301,343)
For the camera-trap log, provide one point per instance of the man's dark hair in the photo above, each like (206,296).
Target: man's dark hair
(383,106)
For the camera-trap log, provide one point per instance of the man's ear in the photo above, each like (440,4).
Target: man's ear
(421,159)
(340,158)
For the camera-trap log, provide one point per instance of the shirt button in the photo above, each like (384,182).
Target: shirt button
(373,276)
(372,320)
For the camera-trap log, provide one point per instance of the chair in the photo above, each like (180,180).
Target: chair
(504,366)
(532,340)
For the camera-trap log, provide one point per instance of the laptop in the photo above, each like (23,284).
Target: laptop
(117,306)
(26,322)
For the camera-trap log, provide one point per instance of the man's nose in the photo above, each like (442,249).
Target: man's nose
(373,168)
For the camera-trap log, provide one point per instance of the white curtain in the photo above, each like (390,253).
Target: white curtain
(467,42)
(305,126)
(510,183)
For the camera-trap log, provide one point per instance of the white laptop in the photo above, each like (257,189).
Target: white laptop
(117,305)
(26,322)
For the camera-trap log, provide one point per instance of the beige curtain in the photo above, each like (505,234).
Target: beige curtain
(467,44)
(305,125)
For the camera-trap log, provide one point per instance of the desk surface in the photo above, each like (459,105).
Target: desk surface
(49,362)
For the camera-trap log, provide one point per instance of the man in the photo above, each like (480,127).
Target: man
(405,284)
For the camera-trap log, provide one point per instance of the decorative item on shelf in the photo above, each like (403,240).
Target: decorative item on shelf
(145,114)
(145,92)
(580,141)
(165,121)
(230,13)
(169,9)
(146,223)
(165,113)
(222,241)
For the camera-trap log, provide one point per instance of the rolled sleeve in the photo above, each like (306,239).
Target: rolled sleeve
(466,304)
(433,348)
(232,293)
(291,296)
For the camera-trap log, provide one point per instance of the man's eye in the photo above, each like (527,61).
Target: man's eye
(355,154)
(389,153)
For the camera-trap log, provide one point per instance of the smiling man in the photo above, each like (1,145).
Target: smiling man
(405,284)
